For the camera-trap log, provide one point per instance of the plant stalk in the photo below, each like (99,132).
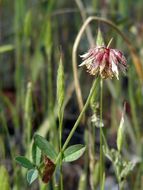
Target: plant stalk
(101,137)
(60,134)
(79,119)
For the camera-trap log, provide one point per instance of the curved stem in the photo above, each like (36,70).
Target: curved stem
(131,48)
(79,118)
(88,31)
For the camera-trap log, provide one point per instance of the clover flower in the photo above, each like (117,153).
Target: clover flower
(104,61)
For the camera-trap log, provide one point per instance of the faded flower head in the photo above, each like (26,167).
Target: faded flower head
(49,168)
(104,61)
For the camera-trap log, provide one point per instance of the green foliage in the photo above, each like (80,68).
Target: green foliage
(103,182)
(5,48)
(128,168)
(45,147)
(4,179)
(28,100)
(28,24)
(121,131)
(32,175)
(122,167)
(73,152)
(2,150)
(47,37)
(37,62)
(36,154)
(82,182)
(23,161)
(96,174)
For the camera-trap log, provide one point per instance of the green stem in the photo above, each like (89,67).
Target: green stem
(79,119)
(101,137)
(133,109)
(60,134)
(121,186)
(28,113)
(3,122)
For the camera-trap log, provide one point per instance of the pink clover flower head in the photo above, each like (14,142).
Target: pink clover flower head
(104,61)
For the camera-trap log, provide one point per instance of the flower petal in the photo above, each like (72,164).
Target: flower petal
(115,70)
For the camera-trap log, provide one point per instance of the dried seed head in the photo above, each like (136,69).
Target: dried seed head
(104,61)
(49,168)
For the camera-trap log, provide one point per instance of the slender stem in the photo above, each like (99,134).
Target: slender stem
(79,119)
(101,137)
(121,186)
(28,113)
(60,134)
(84,16)
(133,109)
(4,125)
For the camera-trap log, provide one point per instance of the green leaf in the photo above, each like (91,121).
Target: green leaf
(28,23)
(60,85)
(47,37)
(32,175)
(28,102)
(82,181)
(96,173)
(103,182)
(121,131)
(129,166)
(2,148)
(73,152)
(122,167)
(4,179)
(6,48)
(37,63)
(36,154)
(23,161)
(94,98)
(45,147)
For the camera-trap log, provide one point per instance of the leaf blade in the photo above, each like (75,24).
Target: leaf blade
(4,178)
(73,152)
(36,154)
(32,175)
(23,161)
(121,131)
(45,147)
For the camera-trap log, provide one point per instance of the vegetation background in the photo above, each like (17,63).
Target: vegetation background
(33,33)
